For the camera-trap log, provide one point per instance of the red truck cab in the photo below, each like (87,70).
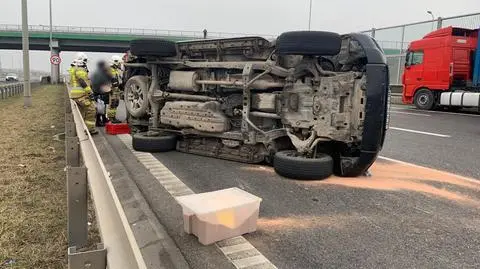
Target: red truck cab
(441,61)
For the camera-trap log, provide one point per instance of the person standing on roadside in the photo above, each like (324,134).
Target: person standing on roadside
(101,86)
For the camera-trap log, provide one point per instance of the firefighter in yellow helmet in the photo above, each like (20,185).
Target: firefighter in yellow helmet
(116,73)
(81,92)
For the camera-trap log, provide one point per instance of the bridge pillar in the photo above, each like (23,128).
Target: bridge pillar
(55,68)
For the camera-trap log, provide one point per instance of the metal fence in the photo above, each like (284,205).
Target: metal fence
(123,31)
(10,89)
(395,39)
(86,172)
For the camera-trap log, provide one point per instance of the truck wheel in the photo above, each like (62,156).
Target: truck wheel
(158,143)
(288,164)
(309,43)
(153,47)
(136,96)
(424,99)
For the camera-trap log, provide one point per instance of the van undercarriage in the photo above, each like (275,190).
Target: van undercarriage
(310,103)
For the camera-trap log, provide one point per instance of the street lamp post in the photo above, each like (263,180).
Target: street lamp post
(310,16)
(433,17)
(27,95)
(51,34)
(54,68)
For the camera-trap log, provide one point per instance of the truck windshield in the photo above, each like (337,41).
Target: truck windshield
(414,57)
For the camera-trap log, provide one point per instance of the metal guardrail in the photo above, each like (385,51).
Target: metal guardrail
(124,31)
(10,89)
(119,248)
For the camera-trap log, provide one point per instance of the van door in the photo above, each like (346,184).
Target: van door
(413,75)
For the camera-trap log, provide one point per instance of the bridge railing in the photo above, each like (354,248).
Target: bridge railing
(123,31)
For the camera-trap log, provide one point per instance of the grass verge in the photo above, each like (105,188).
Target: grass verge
(32,182)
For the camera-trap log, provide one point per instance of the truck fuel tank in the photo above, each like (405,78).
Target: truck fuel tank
(464,99)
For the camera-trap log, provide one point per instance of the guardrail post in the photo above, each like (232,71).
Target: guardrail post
(72,151)
(68,106)
(95,259)
(1,91)
(70,130)
(69,116)
(77,206)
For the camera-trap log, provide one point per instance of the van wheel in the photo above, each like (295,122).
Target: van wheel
(153,142)
(424,99)
(309,43)
(136,96)
(290,164)
(153,47)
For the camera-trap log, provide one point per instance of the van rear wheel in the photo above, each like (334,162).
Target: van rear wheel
(424,99)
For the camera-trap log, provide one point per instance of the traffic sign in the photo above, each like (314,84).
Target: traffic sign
(55,59)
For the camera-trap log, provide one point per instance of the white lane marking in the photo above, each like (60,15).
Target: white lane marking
(176,187)
(167,181)
(250,261)
(434,111)
(469,179)
(236,248)
(409,113)
(418,132)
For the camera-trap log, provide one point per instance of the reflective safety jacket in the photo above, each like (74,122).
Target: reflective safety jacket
(79,73)
(70,72)
(116,74)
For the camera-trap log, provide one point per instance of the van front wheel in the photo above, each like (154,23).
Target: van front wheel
(424,99)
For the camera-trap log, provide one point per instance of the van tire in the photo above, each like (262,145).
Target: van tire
(288,164)
(314,43)
(154,143)
(153,47)
(424,99)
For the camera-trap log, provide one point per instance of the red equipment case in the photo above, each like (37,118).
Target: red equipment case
(117,128)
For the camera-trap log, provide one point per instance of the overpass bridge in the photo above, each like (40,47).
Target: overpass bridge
(94,39)
(91,39)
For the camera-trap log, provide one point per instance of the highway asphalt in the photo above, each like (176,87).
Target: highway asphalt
(401,217)
(451,142)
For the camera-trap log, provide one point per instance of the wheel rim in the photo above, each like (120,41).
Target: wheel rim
(423,99)
(135,98)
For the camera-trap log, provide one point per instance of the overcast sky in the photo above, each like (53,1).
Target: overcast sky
(245,16)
